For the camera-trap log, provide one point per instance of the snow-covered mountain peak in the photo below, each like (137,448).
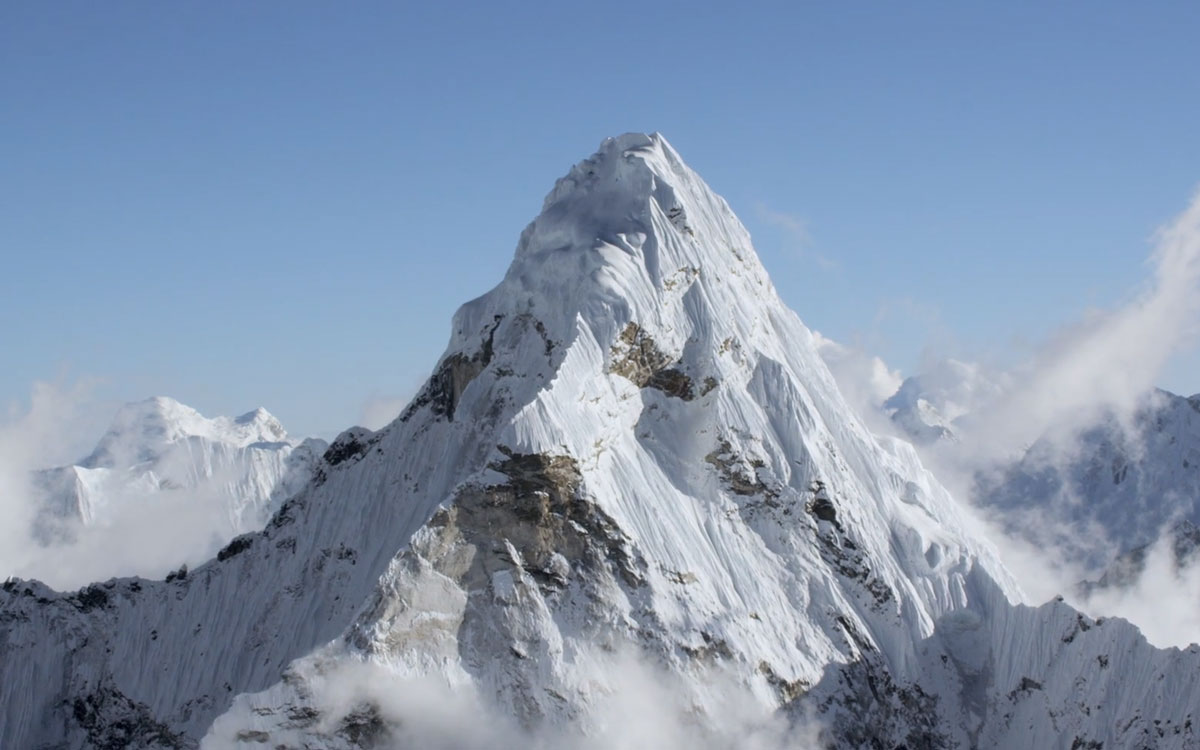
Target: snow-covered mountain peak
(633,195)
(637,260)
(142,430)
(627,231)
(637,339)
(226,474)
(629,443)
(263,421)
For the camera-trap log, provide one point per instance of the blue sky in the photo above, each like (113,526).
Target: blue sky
(282,203)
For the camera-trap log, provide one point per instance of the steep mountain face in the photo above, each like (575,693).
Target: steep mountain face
(1121,484)
(159,450)
(630,447)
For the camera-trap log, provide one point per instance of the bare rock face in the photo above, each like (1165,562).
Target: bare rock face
(738,473)
(111,721)
(456,371)
(539,521)
(638,359)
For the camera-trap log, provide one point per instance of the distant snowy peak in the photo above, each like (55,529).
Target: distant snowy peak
(161,451)
(140,431)
(917,418)
(1110,489)
(929,407)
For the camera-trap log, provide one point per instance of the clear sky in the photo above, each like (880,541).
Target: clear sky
(282,203)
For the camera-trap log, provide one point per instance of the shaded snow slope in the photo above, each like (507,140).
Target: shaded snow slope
(1112,489)
(630,446)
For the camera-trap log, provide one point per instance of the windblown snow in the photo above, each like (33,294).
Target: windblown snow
(630,453)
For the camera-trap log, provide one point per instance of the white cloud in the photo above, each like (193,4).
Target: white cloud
(1164,602)
(864,380)
(1108,360)
(146,534)
(629,703)
(34,435)
(1105,362)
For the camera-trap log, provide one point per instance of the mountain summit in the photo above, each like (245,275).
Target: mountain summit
(630,450)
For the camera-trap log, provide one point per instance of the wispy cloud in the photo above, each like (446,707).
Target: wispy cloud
(31,436)
(865,380)
(630,703)
(1101,365)
(797,238)
(1164,601)
(1108,360)
(380,409)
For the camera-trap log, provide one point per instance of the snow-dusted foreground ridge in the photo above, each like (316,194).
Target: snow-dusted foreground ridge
(630,451)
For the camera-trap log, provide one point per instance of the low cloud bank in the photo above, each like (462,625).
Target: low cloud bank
(1100,367)
(33,435)
(630,703)
(1163,600)
(146,534)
